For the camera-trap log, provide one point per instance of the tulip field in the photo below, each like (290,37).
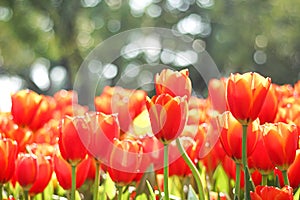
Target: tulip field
(241,142)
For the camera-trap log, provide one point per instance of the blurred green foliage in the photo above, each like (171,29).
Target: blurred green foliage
(239,35)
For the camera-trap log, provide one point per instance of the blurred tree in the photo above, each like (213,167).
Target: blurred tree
(239,35)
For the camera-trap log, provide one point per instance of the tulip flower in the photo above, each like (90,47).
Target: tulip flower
(102,130)
(270,107)
(260,159)
(168,116)
(31,109)
(294,172)
(73,139)
(21,134)
(26,171)
(217,94)
(45,169)
(281,142)
(125,161)
(174,83)
(8,155)
(127,103)
(234,138)
(64,175)
(231,136)
(271,193)
(246,94)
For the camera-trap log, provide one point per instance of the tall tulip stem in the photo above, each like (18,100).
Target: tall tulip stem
(285,177)
(244,162)
(73,188)
(238,180)
(96,183)
(166,172)
(193,168)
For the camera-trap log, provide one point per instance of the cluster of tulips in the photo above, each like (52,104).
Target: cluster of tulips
(247,126)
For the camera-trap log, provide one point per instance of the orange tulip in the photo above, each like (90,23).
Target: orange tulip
(73,139)
(271,193)
(174,83)
(8,155)
(31,109)
(231,136)
(281,142)
(127,103)
(168,116)
(246,94)
(21,134)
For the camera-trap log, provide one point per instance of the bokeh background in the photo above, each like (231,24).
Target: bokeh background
(43,42)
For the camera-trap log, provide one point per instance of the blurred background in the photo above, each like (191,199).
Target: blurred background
(44,42)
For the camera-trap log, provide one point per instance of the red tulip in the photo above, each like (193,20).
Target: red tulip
(168,116)
(231,136)
(67,104)
(73,139)
(8,155)
(174,83)
(270,107)
(152,153)
(217,94)
(45,169)
(31,109)
(246,94)
(103,129)
(22,135)
(294,172)
(127,103)
(26,170)
(281,142)
(260,159)
(125,161)
(63,172)
(271,193)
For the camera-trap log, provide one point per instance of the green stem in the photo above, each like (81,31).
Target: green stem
(244,162)
(120,192)
(96,183)
(285,177)
(166,172)
(264,180)
(193,168)
(1,190)
(26,195)
(73,189)
(237,180)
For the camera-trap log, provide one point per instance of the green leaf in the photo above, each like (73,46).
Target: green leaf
(151,192)
(109,187)
(297,194)
(192,194)
(222,180)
